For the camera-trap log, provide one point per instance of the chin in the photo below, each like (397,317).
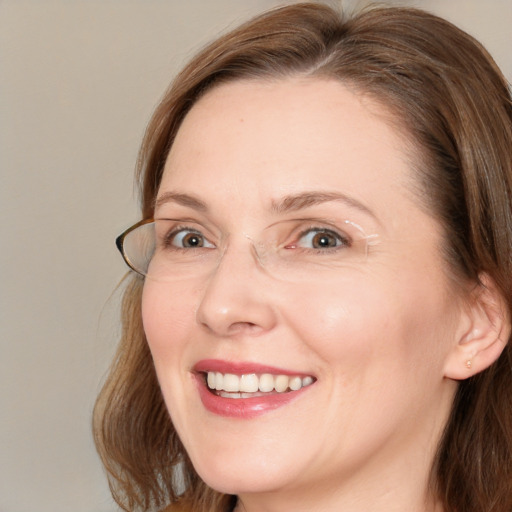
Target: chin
(230,477)
(237,484)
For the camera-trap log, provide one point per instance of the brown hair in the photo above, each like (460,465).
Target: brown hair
(448,94)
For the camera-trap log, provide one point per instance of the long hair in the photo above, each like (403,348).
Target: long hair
(444,91)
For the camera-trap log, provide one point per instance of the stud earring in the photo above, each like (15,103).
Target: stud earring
(469,363)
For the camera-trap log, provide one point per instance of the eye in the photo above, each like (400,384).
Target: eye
(321,238)
(184,238)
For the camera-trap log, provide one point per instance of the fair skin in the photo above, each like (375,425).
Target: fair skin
(379,330)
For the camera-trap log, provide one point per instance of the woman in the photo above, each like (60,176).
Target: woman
(319,313)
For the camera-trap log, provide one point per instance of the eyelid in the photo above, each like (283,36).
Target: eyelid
(170,233)
(341,227)
(346,230)
(335,233)
(191,223)
(174,234)
(343,238)
(337,224)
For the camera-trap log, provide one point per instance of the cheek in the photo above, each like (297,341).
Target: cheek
(367,322)
(166,315)
(338,318)
(379,346)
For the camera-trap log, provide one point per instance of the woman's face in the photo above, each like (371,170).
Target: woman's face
(303,256)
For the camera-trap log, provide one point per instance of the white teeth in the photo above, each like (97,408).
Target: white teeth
(281,383)
(219,381)
(249,383)
(307,381)
(295,383)
(266,383)
(236,386)
(231,382)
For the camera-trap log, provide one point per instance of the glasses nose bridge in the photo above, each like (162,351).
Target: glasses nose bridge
(246,250)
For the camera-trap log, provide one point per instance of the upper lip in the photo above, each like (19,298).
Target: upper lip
(242,368)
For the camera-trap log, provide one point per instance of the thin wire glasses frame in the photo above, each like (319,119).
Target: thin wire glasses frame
(120,244)
(139,243)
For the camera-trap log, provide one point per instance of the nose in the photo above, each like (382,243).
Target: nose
(237,298)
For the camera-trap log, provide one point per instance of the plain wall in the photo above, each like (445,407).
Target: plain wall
(78,82)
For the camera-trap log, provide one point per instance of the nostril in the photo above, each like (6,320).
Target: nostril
(244,327)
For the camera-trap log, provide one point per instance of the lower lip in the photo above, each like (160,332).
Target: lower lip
(245,408)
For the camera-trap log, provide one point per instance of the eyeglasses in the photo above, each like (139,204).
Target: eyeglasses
(170,250)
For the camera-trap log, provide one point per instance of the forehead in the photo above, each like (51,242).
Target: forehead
(263,140)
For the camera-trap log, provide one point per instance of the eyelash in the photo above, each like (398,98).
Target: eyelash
(170,237)
(342,240)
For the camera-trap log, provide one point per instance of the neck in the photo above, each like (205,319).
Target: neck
(253,504)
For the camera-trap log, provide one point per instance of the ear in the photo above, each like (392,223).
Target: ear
(483,332)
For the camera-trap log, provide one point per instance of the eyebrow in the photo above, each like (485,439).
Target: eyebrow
(288,203)
(182,199)
(306,199)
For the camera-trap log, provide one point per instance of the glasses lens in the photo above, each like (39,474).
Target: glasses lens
(167,251)
(139,247)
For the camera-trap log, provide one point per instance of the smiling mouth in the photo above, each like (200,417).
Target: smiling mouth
(229,385)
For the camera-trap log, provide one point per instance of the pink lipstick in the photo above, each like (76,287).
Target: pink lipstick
(247,390)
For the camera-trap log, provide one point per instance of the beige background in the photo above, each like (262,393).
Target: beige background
(78,82)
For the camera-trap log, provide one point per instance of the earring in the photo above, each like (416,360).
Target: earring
(469,363)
